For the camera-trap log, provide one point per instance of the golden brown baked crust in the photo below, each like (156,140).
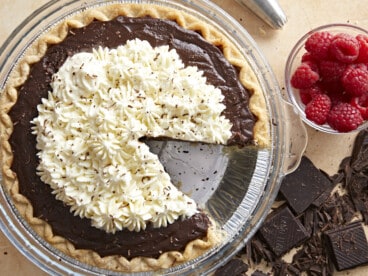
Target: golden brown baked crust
(56,35)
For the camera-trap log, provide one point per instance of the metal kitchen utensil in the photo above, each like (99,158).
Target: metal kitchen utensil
(268,10)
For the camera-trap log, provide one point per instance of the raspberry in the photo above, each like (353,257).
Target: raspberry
(331,70)
(333,80)
(358,65)
(304,77)
(339,97)
(332,87)
(310,60)
(355,80)
(363,48)
(361,103)
(313,65)
(344,117)
(318,109)
(344,48)
(307,57)
(307,94)
(318,44)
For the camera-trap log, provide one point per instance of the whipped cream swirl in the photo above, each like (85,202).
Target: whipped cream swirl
(88,132)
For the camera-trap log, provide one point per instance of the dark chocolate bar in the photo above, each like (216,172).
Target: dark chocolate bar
(304,186)
(348,245)
(282,231)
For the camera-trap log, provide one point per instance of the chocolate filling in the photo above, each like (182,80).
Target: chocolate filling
(195,51)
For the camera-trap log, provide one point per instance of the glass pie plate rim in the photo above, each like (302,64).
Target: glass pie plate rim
(277,165)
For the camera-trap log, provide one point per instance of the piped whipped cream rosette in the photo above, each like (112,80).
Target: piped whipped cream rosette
(89,130)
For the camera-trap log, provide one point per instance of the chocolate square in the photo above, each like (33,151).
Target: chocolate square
(304,186)
(282,231)
(348,245)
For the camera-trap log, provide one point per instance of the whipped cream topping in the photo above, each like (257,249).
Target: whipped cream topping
(88,132)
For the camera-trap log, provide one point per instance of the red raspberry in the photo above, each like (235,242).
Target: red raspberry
(355,80)
(363,48)
(344,48)
(339,97)
(307,57)
(332,87)
(304,77)
(310,60)
(318,44)
(361,103)
(344,117)
(358,65)
(313,65)
(331,70)
(335,91)
(307,94)
(318,109)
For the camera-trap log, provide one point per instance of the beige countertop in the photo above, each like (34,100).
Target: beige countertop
(326,151)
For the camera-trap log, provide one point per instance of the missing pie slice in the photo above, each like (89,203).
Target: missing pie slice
(76,108)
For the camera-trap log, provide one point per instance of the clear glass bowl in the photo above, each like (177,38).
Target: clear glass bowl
(294,60)
(240,214)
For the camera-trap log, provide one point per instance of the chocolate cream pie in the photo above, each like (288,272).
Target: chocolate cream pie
(75,111)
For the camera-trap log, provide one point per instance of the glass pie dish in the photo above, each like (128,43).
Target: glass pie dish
(237,197)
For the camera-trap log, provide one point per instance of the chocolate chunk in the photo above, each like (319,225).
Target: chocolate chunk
(259,273)
(257,250)
(233,267)
(309,220)
(322,197)
(280,267)
(357,188)
(311,257)
(303,186)
(340,208)
(282,231)
(353,173)
(359,154)
(348,245)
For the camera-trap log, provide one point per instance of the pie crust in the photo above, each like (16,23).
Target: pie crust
(55,35)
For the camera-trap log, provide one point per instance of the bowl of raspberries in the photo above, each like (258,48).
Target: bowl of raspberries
(326,78)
